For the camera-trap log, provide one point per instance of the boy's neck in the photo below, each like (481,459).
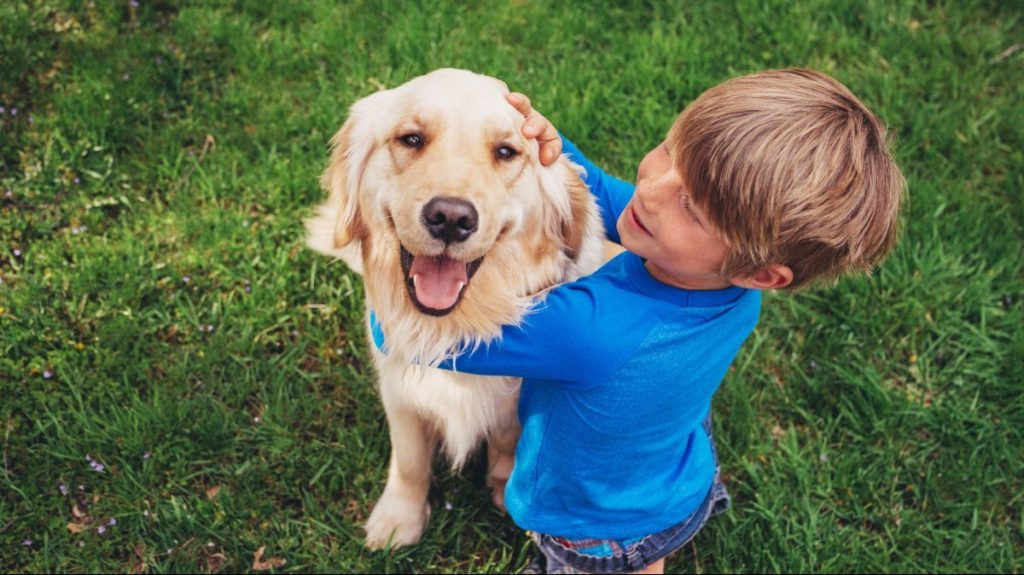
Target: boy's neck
(687,283)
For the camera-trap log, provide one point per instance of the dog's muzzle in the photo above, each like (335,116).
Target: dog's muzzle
(436,283)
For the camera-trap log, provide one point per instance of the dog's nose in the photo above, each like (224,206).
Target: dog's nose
(450,219)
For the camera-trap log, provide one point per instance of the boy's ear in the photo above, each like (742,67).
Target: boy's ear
(775,276)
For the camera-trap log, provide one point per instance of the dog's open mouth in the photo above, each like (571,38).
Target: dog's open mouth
(436,283)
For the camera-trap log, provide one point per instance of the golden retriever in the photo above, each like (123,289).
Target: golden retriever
(438,200)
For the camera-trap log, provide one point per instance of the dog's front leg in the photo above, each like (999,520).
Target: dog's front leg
(501,453)
(402,511)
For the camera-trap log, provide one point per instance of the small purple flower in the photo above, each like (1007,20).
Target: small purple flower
(187,279)
(27,542)
(14,111)
(147,455)
(3,110)
(112,521)
(31,120)
(134,3)
(16,252)
(77,181)
(47,374)
(101,529)
(8,194)
(96,465)
(63,489)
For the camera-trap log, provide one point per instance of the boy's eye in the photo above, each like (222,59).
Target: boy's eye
(689,210)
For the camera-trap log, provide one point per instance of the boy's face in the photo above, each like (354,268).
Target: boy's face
(662,225)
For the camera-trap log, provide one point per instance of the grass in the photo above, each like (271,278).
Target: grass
(160,315)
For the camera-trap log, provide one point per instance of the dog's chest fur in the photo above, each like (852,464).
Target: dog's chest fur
(462,408)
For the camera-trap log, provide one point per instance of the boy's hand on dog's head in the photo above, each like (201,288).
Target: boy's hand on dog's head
(537,126)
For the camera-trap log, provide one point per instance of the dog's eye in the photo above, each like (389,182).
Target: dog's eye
(505,152)
(411,141)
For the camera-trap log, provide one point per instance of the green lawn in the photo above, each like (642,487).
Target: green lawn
(182,382)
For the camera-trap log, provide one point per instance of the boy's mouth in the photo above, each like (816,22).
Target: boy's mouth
(636,220)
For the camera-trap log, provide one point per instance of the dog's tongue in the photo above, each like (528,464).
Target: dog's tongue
(438,280)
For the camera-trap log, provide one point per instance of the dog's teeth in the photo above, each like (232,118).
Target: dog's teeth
(461,285)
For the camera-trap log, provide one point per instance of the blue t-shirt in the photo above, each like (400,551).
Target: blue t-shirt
(618,373)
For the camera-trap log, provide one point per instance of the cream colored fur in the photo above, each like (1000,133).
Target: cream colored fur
(538,227)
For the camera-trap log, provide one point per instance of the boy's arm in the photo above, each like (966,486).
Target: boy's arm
(560,339)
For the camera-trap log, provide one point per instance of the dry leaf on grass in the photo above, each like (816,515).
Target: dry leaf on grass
(211,562)
(212,492)
(258,564)
(215,562)
(139,560)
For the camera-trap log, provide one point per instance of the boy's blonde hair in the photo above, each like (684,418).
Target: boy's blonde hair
(791,168)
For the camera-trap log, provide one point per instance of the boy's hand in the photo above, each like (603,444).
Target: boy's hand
(537,126)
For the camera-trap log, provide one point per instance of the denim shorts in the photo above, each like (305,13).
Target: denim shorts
(561,555)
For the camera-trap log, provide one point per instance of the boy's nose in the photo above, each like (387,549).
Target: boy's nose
(655,191)
(646,195)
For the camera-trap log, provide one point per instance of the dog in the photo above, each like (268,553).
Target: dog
(442,205)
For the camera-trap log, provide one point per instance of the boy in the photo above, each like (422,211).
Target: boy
(774,180)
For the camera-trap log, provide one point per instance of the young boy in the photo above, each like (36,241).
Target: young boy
(774,180)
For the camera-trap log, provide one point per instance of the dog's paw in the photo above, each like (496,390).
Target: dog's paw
(497,493)
(396,522)
(497,477)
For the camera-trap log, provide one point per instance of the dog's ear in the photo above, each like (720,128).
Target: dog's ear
(341,187)
(580,211)
(573,210)
(576,208)
(337,222)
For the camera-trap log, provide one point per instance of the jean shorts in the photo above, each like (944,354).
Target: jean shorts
(561,555)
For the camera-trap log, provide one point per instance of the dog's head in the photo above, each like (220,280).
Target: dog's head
(442,192)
